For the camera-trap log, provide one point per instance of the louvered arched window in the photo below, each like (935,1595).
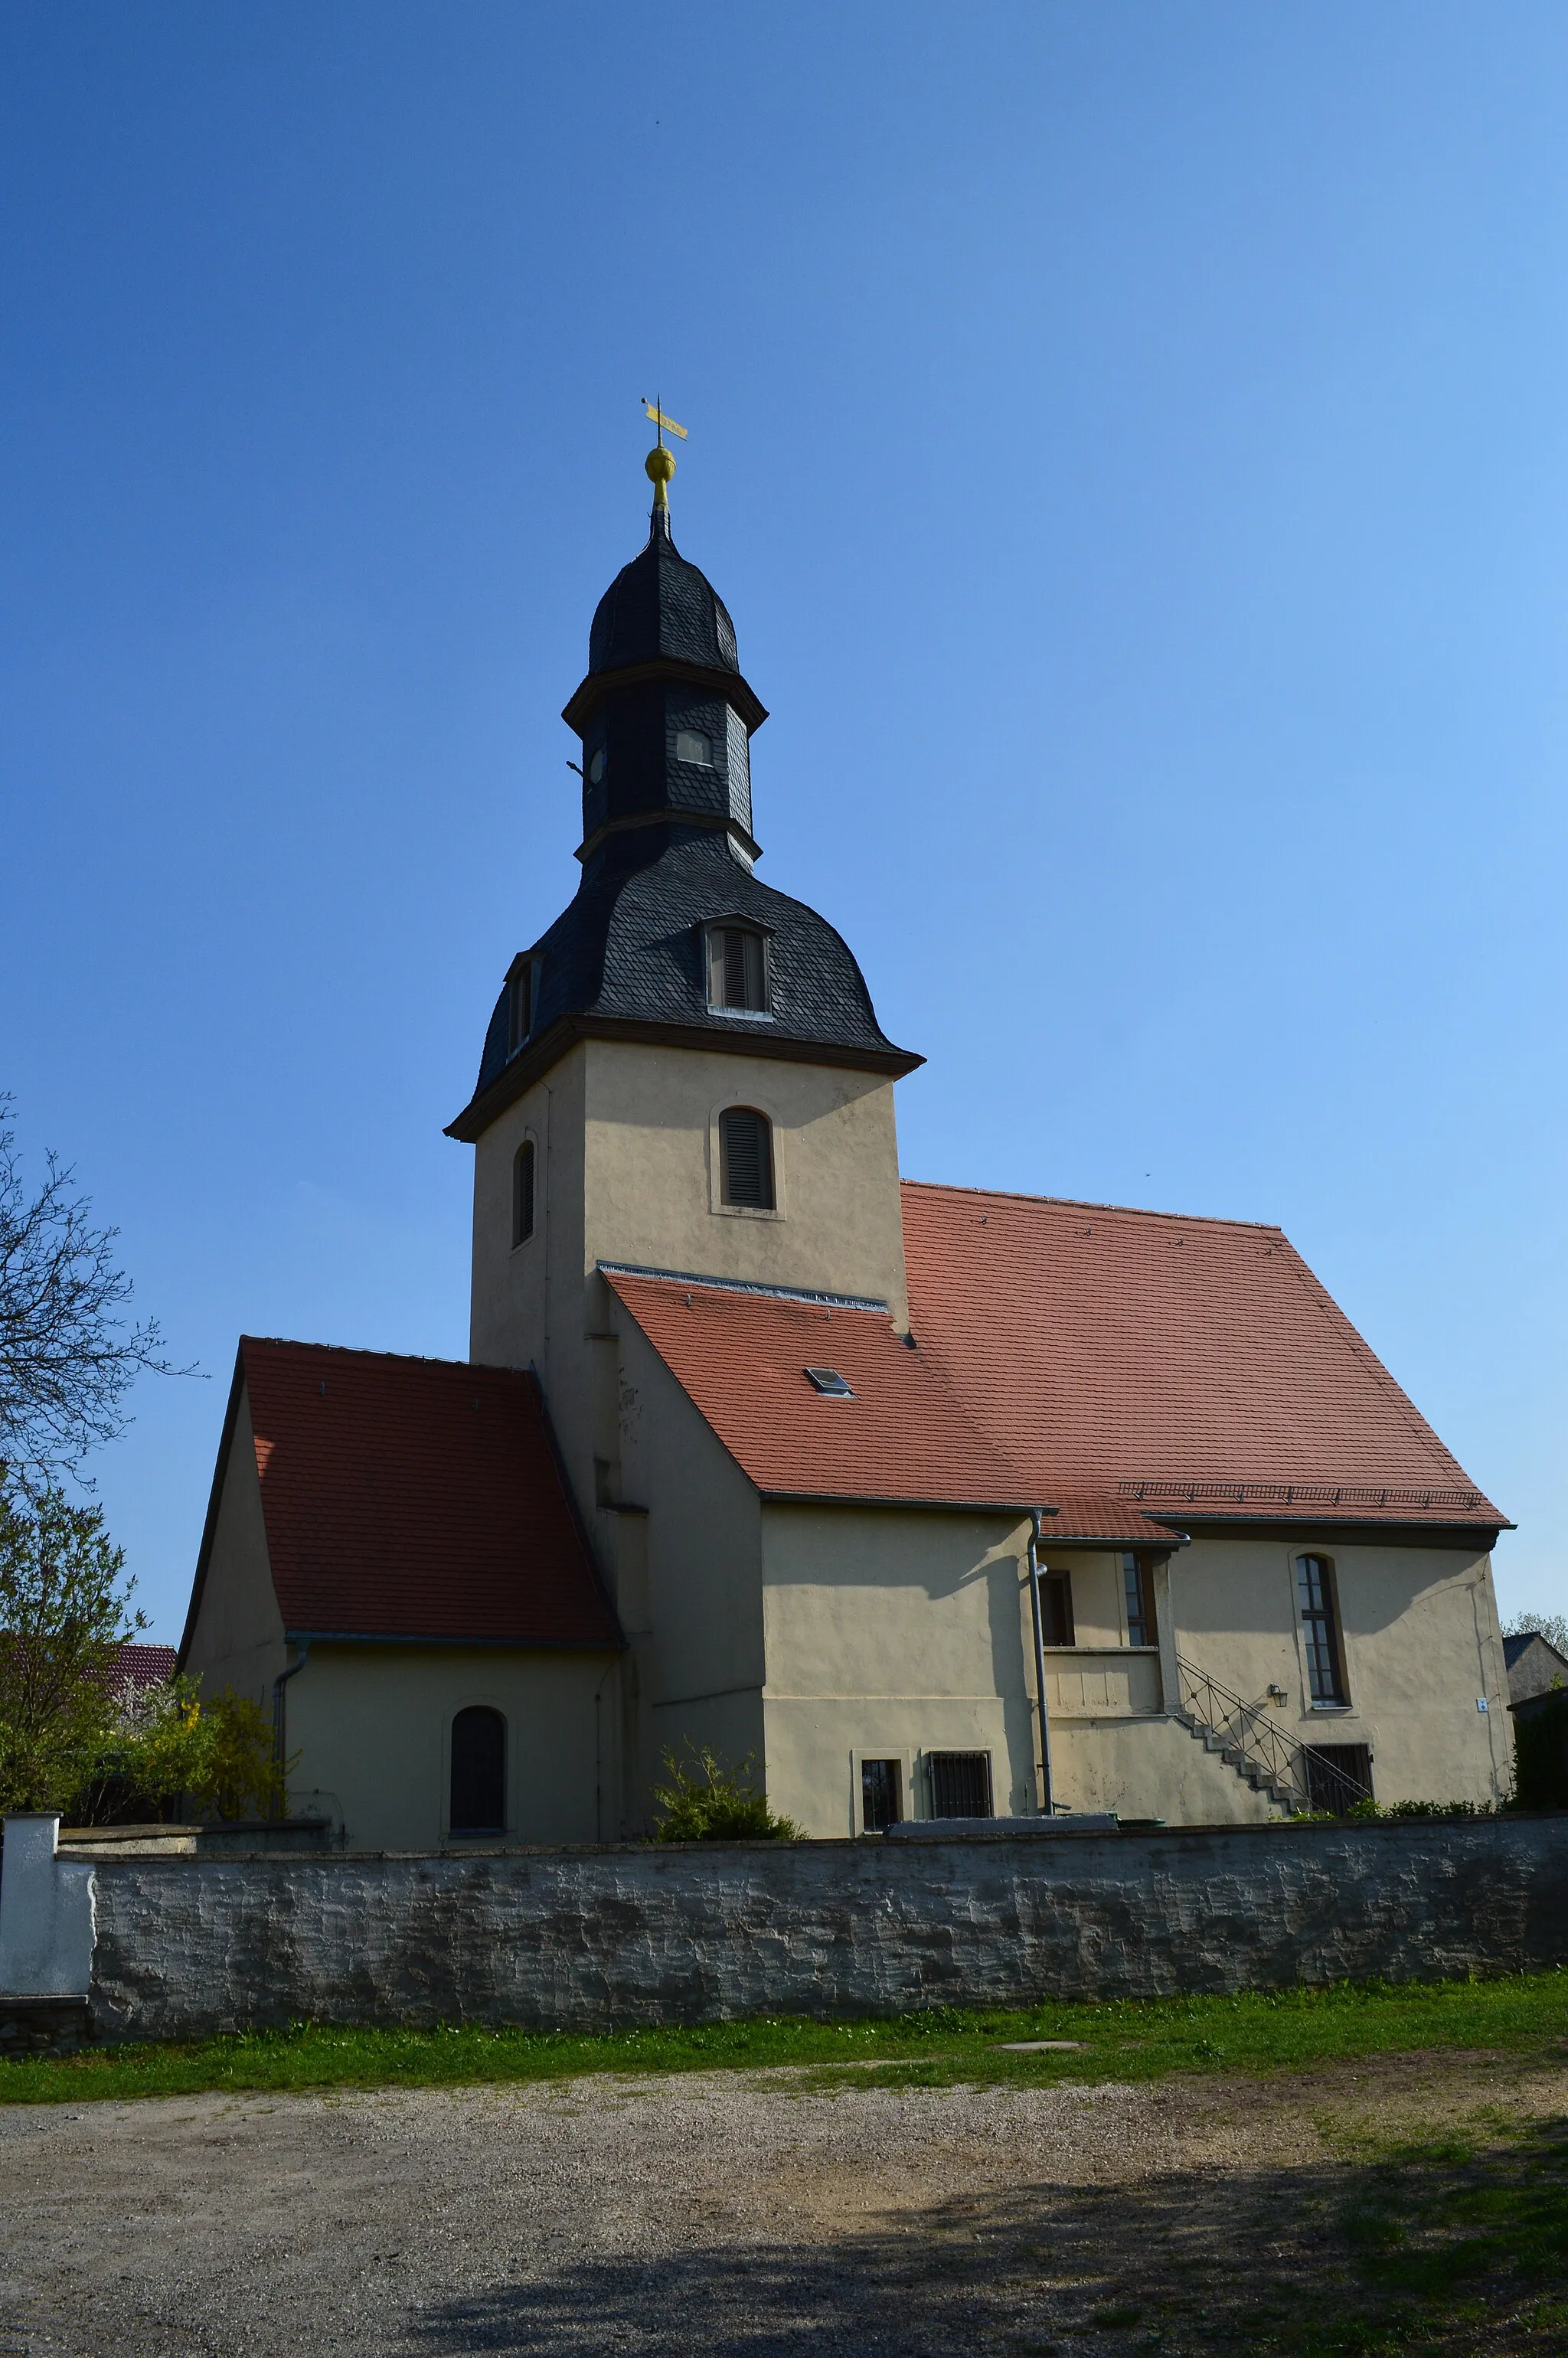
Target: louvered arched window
(746,1159)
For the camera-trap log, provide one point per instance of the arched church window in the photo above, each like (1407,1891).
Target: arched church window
(746,1158)
(479,1772)
(523,1193)
(736,969)
(691,745)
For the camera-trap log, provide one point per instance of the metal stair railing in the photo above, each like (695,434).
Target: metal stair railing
(1276,1759)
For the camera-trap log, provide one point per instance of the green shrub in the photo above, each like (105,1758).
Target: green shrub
(212,1760)
(1541,1755)
(704,1802)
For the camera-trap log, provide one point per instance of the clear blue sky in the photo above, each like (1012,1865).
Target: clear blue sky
(1130,439)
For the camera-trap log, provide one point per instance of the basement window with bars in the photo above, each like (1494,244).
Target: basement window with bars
(961,1784)
(1338,1776)
(746,1159)
(737,971)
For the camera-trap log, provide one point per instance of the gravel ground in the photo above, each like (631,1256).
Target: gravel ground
(728,2215)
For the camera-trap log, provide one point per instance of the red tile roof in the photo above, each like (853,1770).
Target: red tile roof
(416,1498)
(1191,1365)
(742,1355)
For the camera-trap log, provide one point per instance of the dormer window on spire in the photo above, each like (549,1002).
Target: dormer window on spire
(736,969)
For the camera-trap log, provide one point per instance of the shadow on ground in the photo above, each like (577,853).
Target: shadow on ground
(1439,2248)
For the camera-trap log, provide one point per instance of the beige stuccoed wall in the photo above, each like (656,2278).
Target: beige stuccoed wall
(1421,1644)
(685,1572)
(626,1140)
(892,1632)
(238,1639)
(371,1726)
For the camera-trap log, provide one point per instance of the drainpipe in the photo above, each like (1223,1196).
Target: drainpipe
(1047,1804)
(277,1686)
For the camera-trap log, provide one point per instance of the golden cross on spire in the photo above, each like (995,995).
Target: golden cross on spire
(660,463)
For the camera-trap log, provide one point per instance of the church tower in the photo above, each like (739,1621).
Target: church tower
(686,1072)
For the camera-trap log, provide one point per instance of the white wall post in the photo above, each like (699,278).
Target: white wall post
(46,1914)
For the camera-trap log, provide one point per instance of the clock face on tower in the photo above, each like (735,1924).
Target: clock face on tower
(595,768)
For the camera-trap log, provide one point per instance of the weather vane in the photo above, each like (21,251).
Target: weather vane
(660,463)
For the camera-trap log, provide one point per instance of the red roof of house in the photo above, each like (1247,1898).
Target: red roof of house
(416,1498)
(1195,1366)
(741,1355)
(135,1667)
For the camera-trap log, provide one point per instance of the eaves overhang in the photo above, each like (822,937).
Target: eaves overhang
(615,1645)
(1480,1537)
(533,1061)
(727,686)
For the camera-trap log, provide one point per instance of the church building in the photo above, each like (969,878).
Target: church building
(923,1501)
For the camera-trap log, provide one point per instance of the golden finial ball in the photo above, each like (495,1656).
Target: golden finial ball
(659,465)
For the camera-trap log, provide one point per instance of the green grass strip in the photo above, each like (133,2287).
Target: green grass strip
(1123,2040)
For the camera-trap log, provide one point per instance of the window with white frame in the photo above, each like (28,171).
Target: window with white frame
(746,1159)
(1320,1628)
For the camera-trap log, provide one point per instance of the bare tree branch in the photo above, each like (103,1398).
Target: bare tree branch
(68,1357)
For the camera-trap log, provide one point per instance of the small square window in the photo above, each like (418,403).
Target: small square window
(691,745)
(828,1381)
(961,1784)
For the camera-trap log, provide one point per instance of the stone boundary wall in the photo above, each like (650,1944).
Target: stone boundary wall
(639,1935)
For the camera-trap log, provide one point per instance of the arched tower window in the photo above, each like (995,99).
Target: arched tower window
(746,1158)
(523,1193)
(478,1771)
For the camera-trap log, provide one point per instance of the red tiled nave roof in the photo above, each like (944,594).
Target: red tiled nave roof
(1190,1365)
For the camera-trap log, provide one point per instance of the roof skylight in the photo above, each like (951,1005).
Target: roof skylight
(828,1381)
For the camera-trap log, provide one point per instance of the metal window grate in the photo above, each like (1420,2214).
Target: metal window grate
(746,1158)
(880,1801)
(1337,1776)
(961,1784)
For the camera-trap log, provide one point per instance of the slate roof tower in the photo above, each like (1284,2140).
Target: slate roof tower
(686,1072)
(667,716)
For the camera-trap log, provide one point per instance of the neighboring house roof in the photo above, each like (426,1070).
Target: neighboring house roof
(1534,1665)
(135,1667)
(414,1499)
(741,1353)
